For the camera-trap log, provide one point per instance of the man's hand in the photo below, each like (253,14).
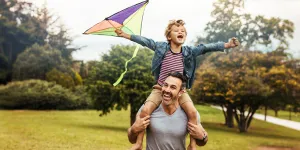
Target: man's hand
(196,131)
(120,33)
(140,124)
(234,42)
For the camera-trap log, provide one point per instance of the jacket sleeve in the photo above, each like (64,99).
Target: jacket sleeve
(212,47)
(144,41)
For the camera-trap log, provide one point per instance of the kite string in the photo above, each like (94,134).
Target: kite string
(122,75)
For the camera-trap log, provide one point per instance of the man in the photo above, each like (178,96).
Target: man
(169,123)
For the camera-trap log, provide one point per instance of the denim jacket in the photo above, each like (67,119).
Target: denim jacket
(189,55)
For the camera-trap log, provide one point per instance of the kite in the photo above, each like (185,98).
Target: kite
(128,20)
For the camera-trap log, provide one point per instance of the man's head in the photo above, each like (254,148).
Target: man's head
(176,32)
(173,88)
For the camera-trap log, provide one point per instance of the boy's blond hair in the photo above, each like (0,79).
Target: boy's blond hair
(171,23)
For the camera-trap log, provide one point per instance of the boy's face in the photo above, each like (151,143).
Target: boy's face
(177,35)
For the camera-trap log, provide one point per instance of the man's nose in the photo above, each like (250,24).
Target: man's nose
(168,89)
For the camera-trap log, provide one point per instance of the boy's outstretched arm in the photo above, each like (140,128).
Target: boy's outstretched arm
(212,47)
(138,39)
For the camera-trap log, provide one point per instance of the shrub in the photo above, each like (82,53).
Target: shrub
(60,78)
(41,95)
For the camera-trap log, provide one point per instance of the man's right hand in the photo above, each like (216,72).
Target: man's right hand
(140,124)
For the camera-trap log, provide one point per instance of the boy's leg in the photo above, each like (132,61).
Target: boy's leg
(187,104)
(153,100)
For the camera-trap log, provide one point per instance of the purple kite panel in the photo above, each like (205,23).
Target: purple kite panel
(124,14)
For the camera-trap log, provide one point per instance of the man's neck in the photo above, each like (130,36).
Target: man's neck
(175,48)
(170,109)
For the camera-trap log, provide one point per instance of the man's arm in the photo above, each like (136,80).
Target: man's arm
(138,39)
(139,125)
(198,132)
(212,47)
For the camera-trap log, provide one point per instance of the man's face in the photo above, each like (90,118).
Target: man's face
(171,90)
(177,35)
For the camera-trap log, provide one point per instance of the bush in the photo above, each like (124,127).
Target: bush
(77,78)
(41,95)
(60,78)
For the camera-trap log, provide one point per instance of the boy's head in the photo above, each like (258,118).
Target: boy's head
(176,32)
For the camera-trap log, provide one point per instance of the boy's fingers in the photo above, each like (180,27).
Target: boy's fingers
(147,121)
(147,117)
(191,124)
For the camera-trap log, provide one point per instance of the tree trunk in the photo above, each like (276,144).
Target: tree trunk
(132,116)
(266,109)
(290,116)
(251,117)
(243,119)
(224,113)
(229,119)
(276,113)
(242,123)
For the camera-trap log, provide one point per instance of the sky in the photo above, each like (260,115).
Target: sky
(79,15)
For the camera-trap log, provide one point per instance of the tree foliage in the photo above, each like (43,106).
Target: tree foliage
(134,88)
(243,81)
(230,20)
(22,25)
(36,61)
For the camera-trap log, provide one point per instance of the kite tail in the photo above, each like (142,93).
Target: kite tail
(122,75)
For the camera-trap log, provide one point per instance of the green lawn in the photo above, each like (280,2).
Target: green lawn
(281,114)
(72,130)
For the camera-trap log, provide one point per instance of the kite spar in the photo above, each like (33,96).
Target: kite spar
(128,20)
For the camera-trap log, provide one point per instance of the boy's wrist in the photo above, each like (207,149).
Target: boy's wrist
(226,45)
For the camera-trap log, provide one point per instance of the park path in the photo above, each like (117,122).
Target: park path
(282,122)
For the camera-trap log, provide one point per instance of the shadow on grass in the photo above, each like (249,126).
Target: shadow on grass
(101,127)
(255,132)
(93,126)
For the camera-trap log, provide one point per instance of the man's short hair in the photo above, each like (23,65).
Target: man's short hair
(180,76)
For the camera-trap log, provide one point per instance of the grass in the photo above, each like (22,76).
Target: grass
(77,130)
(281,114)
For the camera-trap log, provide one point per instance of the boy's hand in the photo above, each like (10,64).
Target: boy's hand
(196,131)
(120,33)
(234,42)
(140,124)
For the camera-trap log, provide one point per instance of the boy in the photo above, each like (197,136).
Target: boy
(172,56)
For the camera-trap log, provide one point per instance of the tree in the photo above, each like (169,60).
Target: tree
(134,88)
(284,83)
(63,42)
(19,30)
(230,21)
(233,81)
(36,61)
(22,25)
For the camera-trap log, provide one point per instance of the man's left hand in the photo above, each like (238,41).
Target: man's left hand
(196,131)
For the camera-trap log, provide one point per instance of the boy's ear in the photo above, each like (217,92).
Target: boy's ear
(169,37)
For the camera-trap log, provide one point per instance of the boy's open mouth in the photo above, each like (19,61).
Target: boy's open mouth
(180,36)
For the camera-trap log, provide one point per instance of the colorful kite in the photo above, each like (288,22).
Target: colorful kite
(128,20)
